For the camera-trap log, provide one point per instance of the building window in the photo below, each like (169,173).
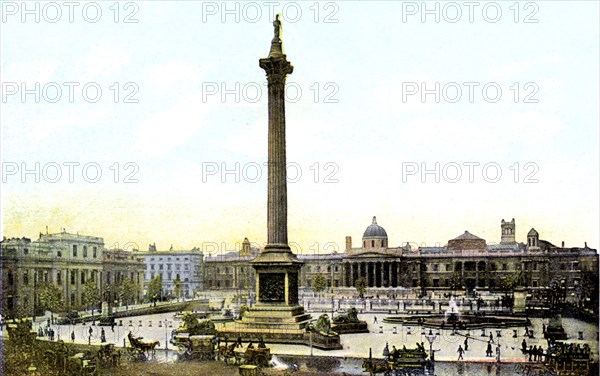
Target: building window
(82,277)
(85,251)
(372,243)
(72,299)
(436,283)
(94,251)
(58,253)
(448,267)
(74,250)
(436,268)
(58,277)
(364,245)
(72,277)
(160,267)
(26,278)
(185,267)
(168,266)
(152,267)
(504,266)
(382,243)
(26,250)
(10,278)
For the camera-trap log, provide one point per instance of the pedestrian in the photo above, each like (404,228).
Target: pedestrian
(90,331)
(102,336)
(524,346)
(526,332)
(535,353)
(375,320)
(491,337)
(386,351)
(498,353)
(488,352)
(466,343)
(530,352)
(540,353)
(51,334)
(460,352)
(73,336)
(543,328)
(239,342)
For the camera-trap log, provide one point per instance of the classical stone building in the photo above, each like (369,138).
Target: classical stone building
(66,260)
(187,265)
(465,262)
(231,270)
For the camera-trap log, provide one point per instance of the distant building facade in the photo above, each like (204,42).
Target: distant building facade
(68,261)
(188,265)
(231,270)
(465,262)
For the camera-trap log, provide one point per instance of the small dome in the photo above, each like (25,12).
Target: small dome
(374,230)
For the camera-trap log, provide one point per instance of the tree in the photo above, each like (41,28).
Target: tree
(456,282)
(319,283)
(90,295)
(127,291)
(155,288)
(178,286)
(51,297)
(361,286)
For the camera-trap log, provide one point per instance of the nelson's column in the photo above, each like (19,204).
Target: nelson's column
(277,316)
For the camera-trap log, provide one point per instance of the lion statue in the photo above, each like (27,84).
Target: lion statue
(351,316)
(323,324)
(193,326)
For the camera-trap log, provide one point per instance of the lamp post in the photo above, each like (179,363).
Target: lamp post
(166,336)
(430,338)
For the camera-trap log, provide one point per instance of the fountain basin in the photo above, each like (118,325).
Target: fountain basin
(462,322)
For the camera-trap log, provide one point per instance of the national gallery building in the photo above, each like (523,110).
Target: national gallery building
(465,262)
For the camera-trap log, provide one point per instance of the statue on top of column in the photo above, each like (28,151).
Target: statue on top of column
(277,26)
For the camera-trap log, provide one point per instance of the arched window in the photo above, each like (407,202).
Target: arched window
(372,243)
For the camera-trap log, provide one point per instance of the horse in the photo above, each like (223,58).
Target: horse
(375,366)
(143,346)
(227,352)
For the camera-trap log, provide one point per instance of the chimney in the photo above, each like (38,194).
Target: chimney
(562,244)
(348,243)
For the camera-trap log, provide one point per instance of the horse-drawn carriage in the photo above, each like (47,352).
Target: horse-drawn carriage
(141,349)
(259,356)
(399,362)
(200,347)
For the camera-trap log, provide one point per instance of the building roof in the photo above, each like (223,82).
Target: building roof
(467,235)
(374,230)
(532,232)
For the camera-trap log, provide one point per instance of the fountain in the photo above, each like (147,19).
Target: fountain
(453,318)
(452,313)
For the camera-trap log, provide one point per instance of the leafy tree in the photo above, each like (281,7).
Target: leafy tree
(127,291)
(155,288)
(588,289)
(456,282)
(319,284)
(361,286)
(91,294)
(51,297)
(178,286)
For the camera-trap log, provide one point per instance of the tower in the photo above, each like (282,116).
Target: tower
(277,316)
(508,232)
(277,268)
(533,240)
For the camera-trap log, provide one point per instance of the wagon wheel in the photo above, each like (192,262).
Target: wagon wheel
(261,360)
